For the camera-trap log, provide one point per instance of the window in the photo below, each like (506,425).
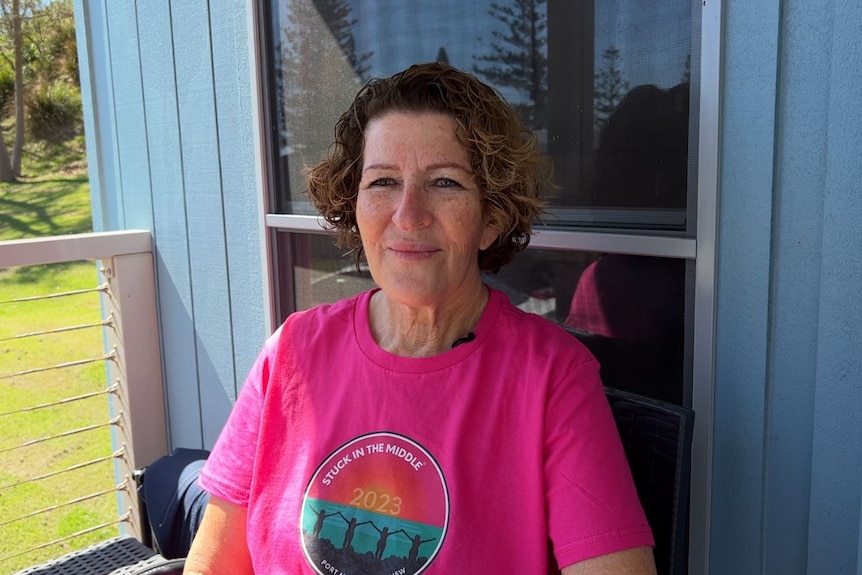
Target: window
(603,86)
(613,90)
(607,88)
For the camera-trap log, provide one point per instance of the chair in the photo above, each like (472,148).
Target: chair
(656,436)
(171,508)
(123,555)
(657,440)
(171,503)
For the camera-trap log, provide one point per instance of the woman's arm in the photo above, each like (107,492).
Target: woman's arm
(220,546)
(638,561)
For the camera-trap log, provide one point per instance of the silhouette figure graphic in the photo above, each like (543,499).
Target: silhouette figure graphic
(415,542)
(321,517)
(352,524)
(381,543)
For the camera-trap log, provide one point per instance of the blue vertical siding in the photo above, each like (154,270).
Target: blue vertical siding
(788,428)
(168,97)
(202,181)
(231,77)
(170,228)
(128,120)
(796,282)
(837,439)
(96,94)
(744,251)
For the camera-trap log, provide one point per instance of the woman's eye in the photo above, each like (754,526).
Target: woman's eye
(382,182)
(446,183)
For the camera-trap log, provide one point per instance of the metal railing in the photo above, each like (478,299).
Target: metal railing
(132,394)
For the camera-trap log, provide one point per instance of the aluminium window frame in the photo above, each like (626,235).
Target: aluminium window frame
(701,250)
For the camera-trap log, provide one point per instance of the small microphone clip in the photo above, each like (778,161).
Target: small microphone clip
(466,339)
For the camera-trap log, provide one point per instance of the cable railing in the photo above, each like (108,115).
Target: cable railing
(81,399)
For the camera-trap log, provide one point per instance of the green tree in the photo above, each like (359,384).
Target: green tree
(519,57)
(609,88)
(37,44)
(50,44)
(12,12)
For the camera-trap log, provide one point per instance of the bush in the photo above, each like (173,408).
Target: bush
(54,111)
(7,87)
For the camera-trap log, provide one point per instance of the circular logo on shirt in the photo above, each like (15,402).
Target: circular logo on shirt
(378,505)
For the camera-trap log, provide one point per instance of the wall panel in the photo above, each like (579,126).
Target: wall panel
(170,229)
(796,281)
(795,508)
(232,79)
(743,283)
(204,208)
(135,203)
(169,99)
(836,467)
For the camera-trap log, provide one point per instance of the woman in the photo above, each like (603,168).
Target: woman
(429,406)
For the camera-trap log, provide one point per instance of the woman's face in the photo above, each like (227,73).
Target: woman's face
(419,210)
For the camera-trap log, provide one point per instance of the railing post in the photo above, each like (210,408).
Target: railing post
(137,367)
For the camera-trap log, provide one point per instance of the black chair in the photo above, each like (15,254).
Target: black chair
(122,555)
(656,436)
(171,506)
(171,503)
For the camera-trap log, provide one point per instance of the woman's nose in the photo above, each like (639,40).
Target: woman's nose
(412,209)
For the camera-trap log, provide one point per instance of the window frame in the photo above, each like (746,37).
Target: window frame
(699,249)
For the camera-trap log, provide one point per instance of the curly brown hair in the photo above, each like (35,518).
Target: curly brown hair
(504,155)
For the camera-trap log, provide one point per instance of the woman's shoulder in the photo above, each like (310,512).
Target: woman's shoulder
(531,331)
(323,323)
(326,313)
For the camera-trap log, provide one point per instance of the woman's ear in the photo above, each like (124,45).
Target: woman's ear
(490,233)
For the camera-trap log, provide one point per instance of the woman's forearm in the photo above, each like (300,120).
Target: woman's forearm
(220,546)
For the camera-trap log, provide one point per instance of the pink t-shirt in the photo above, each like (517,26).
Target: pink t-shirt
(352,460)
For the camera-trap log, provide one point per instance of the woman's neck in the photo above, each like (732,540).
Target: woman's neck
(423,331)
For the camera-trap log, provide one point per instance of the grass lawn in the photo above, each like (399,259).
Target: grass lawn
(52,198)
(54,202)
